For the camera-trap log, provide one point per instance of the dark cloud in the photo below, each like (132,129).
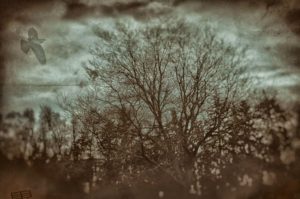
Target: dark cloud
(293,20)
(291,54)
(77,10)
(268,3)
(121,7)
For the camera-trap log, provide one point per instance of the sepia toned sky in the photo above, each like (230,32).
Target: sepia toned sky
(270,31)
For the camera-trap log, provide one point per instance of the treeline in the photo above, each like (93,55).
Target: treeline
(255,143)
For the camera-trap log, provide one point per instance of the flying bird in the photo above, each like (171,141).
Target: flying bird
(34,43)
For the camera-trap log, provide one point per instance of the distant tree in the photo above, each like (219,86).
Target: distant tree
(20,127)
(28,129)
(29,114)
(75,148)
(46,125)
(13,114)
(60,133)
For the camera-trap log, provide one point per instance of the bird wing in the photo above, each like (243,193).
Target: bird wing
(24,46)
(32,33)
(39,52)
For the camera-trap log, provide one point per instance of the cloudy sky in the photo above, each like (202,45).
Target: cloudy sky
(271,31)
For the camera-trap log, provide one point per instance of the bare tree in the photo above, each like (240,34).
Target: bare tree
(168,79)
